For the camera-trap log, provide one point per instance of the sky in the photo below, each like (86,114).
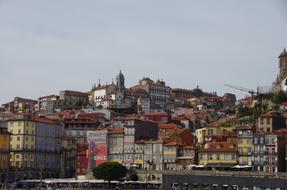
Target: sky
(49,46)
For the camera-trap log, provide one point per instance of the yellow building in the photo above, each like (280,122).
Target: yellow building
(22,143)
(170,152)
(245,144)
(35,146)
(116,145)
(204,132)
(218,155)
(4,149)
(139,154)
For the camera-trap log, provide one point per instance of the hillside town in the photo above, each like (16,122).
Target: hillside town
(149,127)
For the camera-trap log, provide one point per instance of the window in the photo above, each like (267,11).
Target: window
(255,140)
(201,156)
(233,156)
(218,156)
(268,121)
(226,156)
(209,156)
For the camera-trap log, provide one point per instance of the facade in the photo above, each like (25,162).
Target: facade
(20,105)
(82,158)
(280,83)
(4,149)
(245,144)
(271,121)
(259,159)
(170,152)
(77,127)
(36,146)
(160,117)
(159,93)
(73,99)
(275,153)
(68,161)
(219,155)
(49,104)
(116,144)
(113,96)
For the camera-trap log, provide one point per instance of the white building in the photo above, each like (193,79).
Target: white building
(113,96)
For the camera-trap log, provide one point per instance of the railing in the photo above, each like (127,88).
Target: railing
(229,173)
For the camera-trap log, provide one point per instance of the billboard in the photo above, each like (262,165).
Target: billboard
(97,151)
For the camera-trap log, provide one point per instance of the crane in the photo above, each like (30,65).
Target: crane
(250,91)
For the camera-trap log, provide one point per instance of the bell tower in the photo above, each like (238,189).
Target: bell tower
(120,81)
(282,65)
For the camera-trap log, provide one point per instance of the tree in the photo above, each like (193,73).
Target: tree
(279,98)
(244,111)
(110,171)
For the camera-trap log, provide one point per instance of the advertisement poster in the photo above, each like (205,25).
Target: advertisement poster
(97,152)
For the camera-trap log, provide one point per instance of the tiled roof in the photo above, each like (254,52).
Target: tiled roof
(167,126)
(271,114)
(218,147)
(156,114)
(46,120)
(116,130)
(173,143)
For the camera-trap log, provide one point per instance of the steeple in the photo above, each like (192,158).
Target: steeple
(120,81)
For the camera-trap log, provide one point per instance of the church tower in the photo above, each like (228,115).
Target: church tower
(120,81)
(282,66)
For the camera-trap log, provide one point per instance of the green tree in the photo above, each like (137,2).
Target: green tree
(110,171)
(244,111)
(279,98)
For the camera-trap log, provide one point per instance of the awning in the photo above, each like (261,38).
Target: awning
(242,166)
(219,165)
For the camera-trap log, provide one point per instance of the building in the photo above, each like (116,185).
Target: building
(36,145)
(259,159)
(4,149)
(218,155)
(160,117)
(49,104)
(170,152)
(245,144)
(73,99)
(116,144)
(280,83)
(20,105)
(275,152)
(159,93)
(113,96)
(203,134)
(271,121)
(77,127)
(141,98)
(82,158)
(68,161)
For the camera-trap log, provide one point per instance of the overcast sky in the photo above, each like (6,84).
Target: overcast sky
(52,45)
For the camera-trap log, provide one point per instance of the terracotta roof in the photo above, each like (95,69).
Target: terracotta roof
(156,113)
(271,114)
(8,115)
(243,127)
(188,147)
(167,126)
(218,147)
(46,120)
(49,96)
(173,143)
(116,130)
(73,92)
